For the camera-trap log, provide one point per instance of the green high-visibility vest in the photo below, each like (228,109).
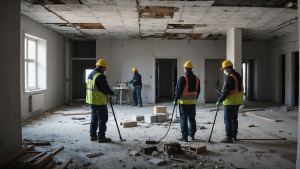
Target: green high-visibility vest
(93,95)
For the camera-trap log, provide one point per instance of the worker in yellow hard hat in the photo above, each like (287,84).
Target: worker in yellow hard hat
(186,94)
(137,84)
(232,97)
(97,91)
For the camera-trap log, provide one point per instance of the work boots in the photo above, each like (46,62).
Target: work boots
(182,139)
(225,140)
(94,138)
(103,140)
(191,138)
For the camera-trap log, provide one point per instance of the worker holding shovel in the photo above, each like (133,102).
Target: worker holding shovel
(232,97)
(96,95)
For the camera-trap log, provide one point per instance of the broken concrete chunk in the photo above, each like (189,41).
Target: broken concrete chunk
(157,161)
(135,153)
(148,150)
(128,124)
(200,127)
(137,117)
(154,153)
(252,125)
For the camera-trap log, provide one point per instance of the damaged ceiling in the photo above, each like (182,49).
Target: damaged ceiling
(158,19)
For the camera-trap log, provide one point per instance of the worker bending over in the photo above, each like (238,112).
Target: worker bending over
(97,90)
(232,97)
(186,94)
(137,84)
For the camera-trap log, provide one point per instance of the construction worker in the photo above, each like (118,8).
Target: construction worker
(97,92)
(186,94)
(137,84)
(232,97)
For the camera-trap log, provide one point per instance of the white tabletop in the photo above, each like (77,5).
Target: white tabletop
(121,88)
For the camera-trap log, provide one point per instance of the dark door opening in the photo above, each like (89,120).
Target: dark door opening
(166,79)
(80,70)
(282,59)
(296,81)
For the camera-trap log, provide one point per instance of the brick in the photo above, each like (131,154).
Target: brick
(137,117)
(128,124)
(197,148)
(160,109)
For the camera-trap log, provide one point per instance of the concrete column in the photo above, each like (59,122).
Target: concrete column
(10,90)
(298,151)
(234,48)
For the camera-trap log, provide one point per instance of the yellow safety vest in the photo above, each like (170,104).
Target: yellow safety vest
(186,96)
(93,95)
(235,96)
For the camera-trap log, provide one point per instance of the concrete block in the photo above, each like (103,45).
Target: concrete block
(148,150)
(197,148)
(160,109)
(151,118)
(137,117)
(128,124)
(157,162)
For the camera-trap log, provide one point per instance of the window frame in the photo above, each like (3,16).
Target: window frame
(26,61)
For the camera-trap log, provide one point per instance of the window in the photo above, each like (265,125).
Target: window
(87,73)
(34,63)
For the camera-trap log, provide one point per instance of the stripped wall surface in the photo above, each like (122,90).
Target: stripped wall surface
(123,55)
(56,66)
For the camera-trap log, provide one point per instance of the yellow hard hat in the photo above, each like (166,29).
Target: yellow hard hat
(134,69)
(102,63)
(226,63)
(188,64)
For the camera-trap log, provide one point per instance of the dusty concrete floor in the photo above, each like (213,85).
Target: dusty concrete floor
(241,154)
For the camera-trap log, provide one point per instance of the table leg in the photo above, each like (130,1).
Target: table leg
(114,97)
(128,97)
(121,97)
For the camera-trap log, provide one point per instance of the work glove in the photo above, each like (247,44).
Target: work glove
(175,103)
(115,94)
(218,104)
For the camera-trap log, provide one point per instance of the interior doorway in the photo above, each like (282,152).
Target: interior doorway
(250,79)
(281,76)
(165,79)
(80,69)
(295,69)
(214,78)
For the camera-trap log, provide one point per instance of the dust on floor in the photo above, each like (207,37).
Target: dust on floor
(240,154)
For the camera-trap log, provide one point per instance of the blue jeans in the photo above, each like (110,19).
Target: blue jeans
(137,95)
(230,120)
(99,118)
(187,112)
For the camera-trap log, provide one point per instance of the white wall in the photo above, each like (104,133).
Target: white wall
(10,102)
(141,53)
(285,45)
(56,62)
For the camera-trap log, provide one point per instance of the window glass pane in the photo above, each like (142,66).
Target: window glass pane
(31,75)
(25,48)
(87,72)
(31,49)
(25,75)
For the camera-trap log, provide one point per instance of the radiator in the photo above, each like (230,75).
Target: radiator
(36,102)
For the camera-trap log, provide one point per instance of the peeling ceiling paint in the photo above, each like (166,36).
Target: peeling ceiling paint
(123,19)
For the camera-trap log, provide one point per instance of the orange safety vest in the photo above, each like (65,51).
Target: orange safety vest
(186,96)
